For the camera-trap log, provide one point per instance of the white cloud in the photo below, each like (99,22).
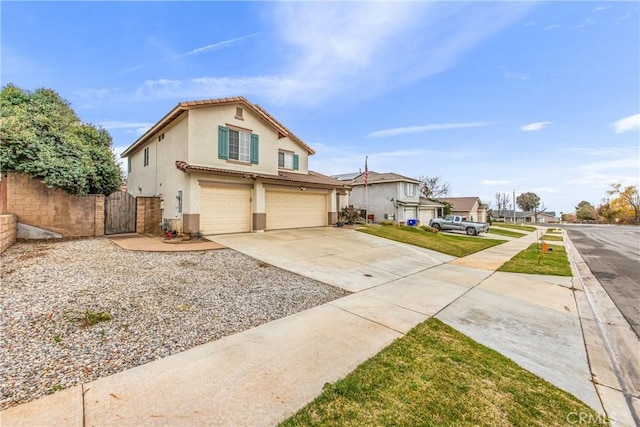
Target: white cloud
(425,128)
(117,124)
(600,8)
(551,27)
(604,180)
(494,182)
(544,190)
(603,151)
(158,88)
(627,124)
(95,93)
(587,22)
(214,46)
(611,165)
(531,127)
(514,76)
(197,51)
(358,50)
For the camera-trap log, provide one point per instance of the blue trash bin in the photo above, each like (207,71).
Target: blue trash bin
(412,222)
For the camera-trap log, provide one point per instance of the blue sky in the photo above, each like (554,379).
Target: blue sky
(490,96)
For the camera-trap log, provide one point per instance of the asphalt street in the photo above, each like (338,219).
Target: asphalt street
(613,256)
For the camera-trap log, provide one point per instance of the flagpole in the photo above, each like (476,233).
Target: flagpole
(366,189)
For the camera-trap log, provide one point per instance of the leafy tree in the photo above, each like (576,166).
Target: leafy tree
(432,187)
(42,136)
(585,211)
(446,210)
(607,212)
(627,202)
(530,202)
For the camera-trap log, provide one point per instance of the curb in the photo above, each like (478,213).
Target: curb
(610,343)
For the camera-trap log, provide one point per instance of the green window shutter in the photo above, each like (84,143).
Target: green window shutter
(255,148)
(223,142)
(296,162)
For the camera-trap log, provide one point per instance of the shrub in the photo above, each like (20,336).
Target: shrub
(428,229)
(351,215)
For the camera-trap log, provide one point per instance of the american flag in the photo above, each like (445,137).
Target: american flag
(366,171)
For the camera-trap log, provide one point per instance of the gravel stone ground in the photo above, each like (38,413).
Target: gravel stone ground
(158,303)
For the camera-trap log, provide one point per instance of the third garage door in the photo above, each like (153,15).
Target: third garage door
(286,209)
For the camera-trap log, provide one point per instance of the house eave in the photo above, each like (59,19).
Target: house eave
(306,180)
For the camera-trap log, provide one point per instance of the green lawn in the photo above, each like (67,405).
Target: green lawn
(436,376)
(533,261)
(445,243)
(552,237)
(514,226)
(509,233)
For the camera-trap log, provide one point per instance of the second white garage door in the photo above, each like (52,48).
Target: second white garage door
(225,209)
(295,209)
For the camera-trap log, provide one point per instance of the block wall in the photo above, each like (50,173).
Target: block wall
(52,208)
(8,230)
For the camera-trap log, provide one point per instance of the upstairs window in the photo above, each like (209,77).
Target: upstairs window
(410,189)
(146,156)
(287,160)
(238,145)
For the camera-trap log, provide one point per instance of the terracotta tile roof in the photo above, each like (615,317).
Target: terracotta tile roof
(313,178)
(460,203)
(179,109)
(375,177)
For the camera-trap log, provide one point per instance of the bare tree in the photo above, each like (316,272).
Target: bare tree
(502,202)
(432,187)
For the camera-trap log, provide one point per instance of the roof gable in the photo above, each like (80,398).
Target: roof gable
(381,178)
(185,106)
(461,203)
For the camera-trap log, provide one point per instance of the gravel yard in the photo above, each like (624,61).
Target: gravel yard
(78,310)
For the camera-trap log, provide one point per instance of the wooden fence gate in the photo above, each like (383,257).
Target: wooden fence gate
(120,213)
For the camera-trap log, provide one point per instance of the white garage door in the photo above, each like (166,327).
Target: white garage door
(225,209)
(425,215)
(295,209)
(410,213)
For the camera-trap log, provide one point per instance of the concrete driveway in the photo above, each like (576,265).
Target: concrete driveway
(340,257)
(263,375)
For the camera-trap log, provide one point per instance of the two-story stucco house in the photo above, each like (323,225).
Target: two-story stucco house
(227,166)
(390,197)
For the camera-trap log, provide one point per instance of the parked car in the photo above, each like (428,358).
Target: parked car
(455,222)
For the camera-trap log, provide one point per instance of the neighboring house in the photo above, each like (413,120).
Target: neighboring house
(470,207)
(507,216)
(227,166)
(389,197)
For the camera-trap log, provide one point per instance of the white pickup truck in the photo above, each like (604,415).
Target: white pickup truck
(455,222)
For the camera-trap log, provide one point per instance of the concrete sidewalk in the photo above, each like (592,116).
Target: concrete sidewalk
(263,375)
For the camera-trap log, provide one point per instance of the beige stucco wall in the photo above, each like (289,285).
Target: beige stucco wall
(161,177)
(287,144)
(203,137)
